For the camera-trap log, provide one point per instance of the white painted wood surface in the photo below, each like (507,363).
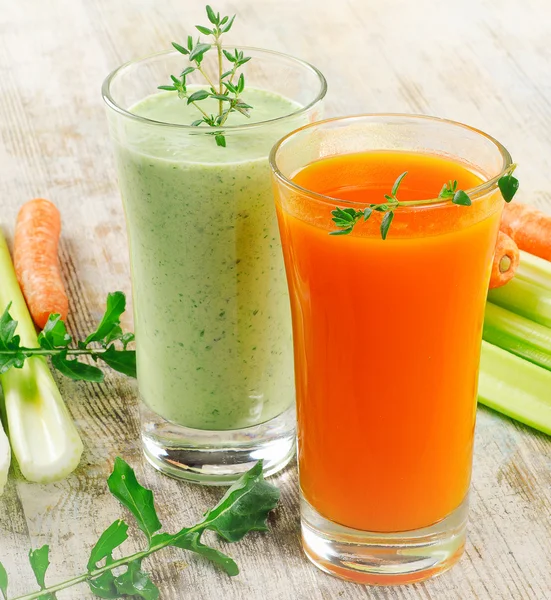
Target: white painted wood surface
(483,62)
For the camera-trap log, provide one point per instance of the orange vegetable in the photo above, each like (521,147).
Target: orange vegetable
(36,261)
(506,259)
(529,228)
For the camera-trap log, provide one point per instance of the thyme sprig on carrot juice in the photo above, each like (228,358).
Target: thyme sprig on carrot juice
(346,218)
(224,88)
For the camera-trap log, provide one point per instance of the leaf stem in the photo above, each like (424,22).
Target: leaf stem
(121,562)
(200,109)
(204,74)
(220,71)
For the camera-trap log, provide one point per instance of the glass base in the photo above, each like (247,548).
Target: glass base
(383,558)
(217,457)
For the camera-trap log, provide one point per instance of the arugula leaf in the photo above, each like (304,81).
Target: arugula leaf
(192,541)
(40,562)
(135,582)
(110,539)
(123,361)
(76,370)
(116,305)
(103,586)
(8,325)
(54,334)
(3,582)
(138,500)
(244,507)
(9,342)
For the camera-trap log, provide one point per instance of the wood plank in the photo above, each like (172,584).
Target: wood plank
(484,62)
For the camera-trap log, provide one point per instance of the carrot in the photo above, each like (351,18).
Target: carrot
(506,259)
(36,262)
(528,227)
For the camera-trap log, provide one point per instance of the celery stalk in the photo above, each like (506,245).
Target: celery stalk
(518,335)
(43,436)
(534,269)
(524,298)
(5,458)
(515,387)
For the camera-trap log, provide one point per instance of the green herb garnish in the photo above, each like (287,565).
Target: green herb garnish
(243,508)
(225,89)
(346,218)
(508,185)
(109,345)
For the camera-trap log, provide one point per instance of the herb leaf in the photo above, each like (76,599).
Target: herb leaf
(138,500)
(39,563)
(11,354)
(244,507)
(76,370)
(110,539)
(54,334)
(116,305)
(3,582)
(385,223)
(103,586)
(508,185)
(397,184)
(135,582)
(191,540)
(123,361)
(462,198)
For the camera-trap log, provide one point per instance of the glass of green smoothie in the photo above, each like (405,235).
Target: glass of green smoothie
(211,308)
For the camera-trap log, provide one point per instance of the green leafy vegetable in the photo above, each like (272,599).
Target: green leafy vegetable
(223,89)
(137,499)
(135,582)
(244,508)
(39,563)
(54,341)
(111,538)
(3,582)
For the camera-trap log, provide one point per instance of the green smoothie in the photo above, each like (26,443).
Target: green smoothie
(212,319)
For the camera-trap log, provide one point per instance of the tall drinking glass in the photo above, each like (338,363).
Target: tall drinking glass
(211,310)
(387,335)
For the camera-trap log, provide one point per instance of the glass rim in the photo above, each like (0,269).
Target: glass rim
(112,104)
(474,193)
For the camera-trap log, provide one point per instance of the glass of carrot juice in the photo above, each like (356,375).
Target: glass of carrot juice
(388,225)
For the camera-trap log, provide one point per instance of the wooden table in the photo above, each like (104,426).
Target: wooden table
(483,62)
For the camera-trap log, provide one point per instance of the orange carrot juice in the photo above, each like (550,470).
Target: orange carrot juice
(387,337)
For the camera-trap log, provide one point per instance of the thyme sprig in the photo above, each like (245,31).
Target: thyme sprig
(346,218)
(225,89)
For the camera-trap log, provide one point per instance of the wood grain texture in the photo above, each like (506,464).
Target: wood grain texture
(483,62)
